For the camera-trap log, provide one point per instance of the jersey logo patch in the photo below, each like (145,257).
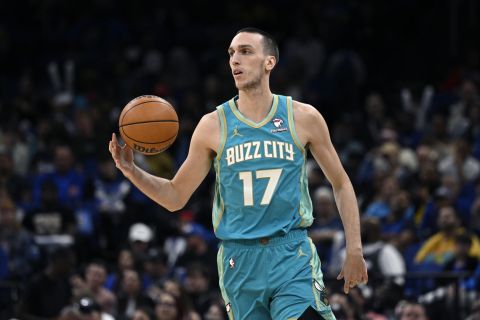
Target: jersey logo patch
(301,253)
(232,263)
(236,133)
(278,123)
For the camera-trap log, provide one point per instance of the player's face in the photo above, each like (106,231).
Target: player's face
(247,60)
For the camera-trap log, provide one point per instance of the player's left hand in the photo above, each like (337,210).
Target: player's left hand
(354,271)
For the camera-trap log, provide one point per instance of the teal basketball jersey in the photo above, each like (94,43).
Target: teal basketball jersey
(261,185)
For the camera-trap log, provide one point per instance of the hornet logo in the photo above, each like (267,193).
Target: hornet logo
(278,123)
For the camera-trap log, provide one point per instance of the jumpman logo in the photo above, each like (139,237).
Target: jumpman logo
(236,133)
(301,253)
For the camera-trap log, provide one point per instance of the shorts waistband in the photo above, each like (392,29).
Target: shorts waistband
(293,235)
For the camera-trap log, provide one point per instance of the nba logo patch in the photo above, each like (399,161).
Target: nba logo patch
(228,308)
(232,263)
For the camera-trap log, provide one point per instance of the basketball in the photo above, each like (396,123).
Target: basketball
(148,124)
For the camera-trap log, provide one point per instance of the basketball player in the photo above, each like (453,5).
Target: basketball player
(258,142)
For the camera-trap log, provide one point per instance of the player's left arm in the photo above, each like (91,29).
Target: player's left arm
(312,130)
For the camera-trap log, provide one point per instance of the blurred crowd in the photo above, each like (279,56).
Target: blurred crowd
(79,241)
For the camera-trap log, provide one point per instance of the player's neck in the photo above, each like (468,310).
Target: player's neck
(255,104)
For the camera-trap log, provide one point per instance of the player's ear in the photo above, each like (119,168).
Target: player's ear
(270,63)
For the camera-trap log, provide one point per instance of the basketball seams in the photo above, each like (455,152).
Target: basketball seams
(143,142)
(164,102)
(149,121)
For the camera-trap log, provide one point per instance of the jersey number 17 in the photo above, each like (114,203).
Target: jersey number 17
(273,176)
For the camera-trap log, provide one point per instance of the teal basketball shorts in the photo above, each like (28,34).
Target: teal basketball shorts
(272,278)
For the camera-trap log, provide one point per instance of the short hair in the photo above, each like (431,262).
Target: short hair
(269,44)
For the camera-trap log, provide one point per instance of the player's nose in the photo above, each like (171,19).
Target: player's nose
(234,61)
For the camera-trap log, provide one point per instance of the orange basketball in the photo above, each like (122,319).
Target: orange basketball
(148,124)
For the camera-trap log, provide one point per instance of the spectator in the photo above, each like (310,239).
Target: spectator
(95,276)
(125,261)
(155,267)
(51,223)
(11,182)
(215,311)
(380,206)
(440,247)
(131,295)
(111,193)
(168,308)
(85,308)
(459,112)
(139,238)
(398,226)
(461,261)
(327,226)
(22,253)
(413,311)
(385,265)
(342,307)
(68,180)
(49,291)
(175,288)
(198,247)
(460,162)
(197,285)
(143,313)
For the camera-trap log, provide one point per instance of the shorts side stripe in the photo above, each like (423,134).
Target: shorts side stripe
(221,282)
(314,265)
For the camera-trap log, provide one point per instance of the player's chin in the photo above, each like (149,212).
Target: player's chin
(238,86)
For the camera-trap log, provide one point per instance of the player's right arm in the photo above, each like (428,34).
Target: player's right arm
(173,194)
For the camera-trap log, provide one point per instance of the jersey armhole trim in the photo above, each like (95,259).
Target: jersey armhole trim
(291,124)
(223,131)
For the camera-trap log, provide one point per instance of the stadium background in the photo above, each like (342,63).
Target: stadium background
(397,82)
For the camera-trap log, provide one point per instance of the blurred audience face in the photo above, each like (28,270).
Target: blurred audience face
(461,150)
(196,282)
(447,219)
(463,243)
(413,312)
(7,212)
(6,165)
(84,123)
(389,187)
(370,229)
(63,159)
(173,288)
(125,260)
(131,282)
(95,276)
(108,171)
(400,202)
(324,204)
(214,312)
(468,92)
(140,315)
(374,106)
(166,307)
(62,262)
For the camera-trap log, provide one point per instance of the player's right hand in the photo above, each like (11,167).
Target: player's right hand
(122,155)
